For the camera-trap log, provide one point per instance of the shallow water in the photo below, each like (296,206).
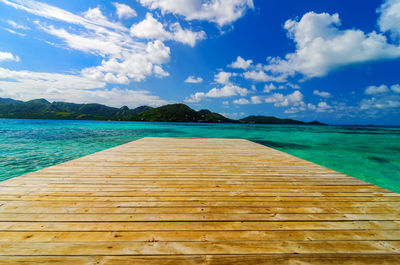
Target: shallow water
(368,153)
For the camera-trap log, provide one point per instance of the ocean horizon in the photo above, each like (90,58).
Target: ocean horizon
(367,153)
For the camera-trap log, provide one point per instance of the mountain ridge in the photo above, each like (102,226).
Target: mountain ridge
(43,109)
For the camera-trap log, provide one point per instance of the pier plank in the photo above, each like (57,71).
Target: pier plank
(196,201)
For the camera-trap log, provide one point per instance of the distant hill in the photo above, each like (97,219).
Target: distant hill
(274,120)
(42,109)
(180,113)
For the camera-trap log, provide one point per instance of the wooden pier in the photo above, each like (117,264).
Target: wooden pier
(196,201)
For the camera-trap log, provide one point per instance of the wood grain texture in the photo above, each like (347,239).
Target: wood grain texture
(196,201)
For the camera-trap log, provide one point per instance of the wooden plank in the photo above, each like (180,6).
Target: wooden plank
(181,217)
(51,209)
(199,236)
(287,259)
(198,226)
(196,201)
(198,248)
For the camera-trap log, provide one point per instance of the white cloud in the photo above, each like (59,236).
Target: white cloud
(124,59)
(234,115)
(194,80)
(253,100)
(256,100)
(311,106)
(55,13)
(321,46)
(292,110)
(258,76)
(124,11)
(390,17)
(395,88)
(16,25)
(196,97)
(14,32)
(27,85)
(228,90)
(372,90)
(150,28)
(223,78)
(241,63)
(322,94)
(324,107)
(7,56)
(382,97)
(135,66)
(186,36)
(280,100)
(241,101)
(380,103)
(222,12)
(95,14)
(270,87)
(41,80)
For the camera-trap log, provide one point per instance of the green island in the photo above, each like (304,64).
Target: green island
(43,109)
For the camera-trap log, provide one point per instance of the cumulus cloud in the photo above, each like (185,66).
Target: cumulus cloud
(223,77)
(222,12)
(372,90)
(256,100)
(395,88)
(270,87)
(324,107)
(390,17)
(321,46)
(380,103)
(7,56)
(382,97)
(124,11)
(241,101)
(258,76)
(150,28)
(194,80)
(133,66)
(196,97)
(253,100)
(280,100)
(228,90)
(322,94)
(241,63)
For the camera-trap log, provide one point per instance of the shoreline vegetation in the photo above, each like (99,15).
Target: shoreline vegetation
(43,109)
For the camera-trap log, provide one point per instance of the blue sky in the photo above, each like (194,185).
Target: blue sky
(334,61)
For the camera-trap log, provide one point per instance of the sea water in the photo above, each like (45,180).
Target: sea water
(368,153)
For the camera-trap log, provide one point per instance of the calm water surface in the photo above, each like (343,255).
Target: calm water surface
(368,153)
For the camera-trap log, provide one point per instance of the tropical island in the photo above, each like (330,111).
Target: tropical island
(43,109)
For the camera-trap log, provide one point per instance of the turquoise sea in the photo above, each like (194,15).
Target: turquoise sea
(368,153)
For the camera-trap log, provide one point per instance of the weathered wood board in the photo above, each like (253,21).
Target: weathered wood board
(196,201)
